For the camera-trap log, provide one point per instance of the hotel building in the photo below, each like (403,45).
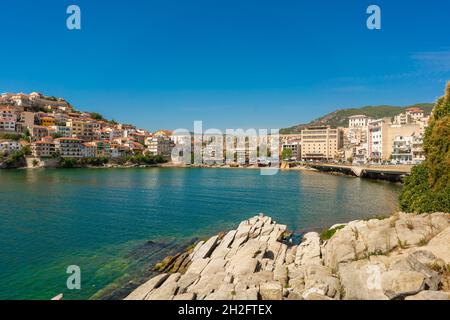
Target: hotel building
(321,142)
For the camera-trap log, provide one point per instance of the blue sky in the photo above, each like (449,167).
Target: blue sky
(230,63)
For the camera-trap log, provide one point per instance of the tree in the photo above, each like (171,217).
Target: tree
(97,116)
(427,189)
(286,154)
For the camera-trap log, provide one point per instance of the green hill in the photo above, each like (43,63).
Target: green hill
(340,117)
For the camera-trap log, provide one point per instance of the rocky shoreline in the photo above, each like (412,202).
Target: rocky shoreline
(402,257)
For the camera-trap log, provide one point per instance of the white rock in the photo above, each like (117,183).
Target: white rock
(397,283)
(430,295)
(142,291)
(308,252)
(271,291)
(206,249)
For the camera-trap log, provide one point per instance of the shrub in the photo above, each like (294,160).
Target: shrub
(329,233)
(427,189)
(67,162)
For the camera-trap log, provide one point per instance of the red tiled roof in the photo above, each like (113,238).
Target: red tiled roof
(69,138)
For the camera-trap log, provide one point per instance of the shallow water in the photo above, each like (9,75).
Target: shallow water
(99,219)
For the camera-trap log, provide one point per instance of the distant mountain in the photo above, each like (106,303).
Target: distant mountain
(340,117)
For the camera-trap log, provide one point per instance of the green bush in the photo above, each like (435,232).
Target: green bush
(329,233)
(99,161)
(17,158)
(427,189)
(10,136)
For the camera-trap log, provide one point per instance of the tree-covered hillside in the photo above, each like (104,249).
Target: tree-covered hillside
(340,117)
(427,189)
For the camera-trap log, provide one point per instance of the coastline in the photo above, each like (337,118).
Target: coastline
(401,257)
(396,178)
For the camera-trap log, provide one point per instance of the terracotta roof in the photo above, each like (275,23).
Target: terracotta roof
(69,138)
(414,109)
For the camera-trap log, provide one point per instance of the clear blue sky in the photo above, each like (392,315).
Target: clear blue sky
(230,63)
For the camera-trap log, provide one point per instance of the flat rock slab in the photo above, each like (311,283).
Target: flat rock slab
(142,291)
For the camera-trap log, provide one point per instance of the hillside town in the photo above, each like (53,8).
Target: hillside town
(48,128)
(51,128)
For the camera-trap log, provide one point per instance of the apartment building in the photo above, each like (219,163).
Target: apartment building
(356,133)
(358,121)
(38,132)
(103,148)
(160,145)
(81,129)
(8,120)
(89,150)
(7,146)
(62,131)
(60,118)
(69,147)
(321,142)
(416,114)
(402,150)
(47,121)
(410,116)
(295,147)
(381,136)
(8,113)
(27,118)
(418,153)
(7,126)
(43,148)
(213,150)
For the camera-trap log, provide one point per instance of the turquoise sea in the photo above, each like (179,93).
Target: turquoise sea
(114,223)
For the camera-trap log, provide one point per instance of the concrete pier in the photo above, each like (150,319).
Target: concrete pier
(394,173)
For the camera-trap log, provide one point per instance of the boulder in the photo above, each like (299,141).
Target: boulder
(312,295)
(439,245)
(143,290)
(297,284)
(345,246)
(207,284)
(187,280)
(430,295)
(271,291)
(219,295)
(308,252)
(185,296)
(206,249)
(197,246)
(361,280)
(399,284)
(378,236)
(214,266)
(166,291)
(198,265)
(248,294)
(245,266)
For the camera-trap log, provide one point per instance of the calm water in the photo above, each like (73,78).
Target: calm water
(96,218)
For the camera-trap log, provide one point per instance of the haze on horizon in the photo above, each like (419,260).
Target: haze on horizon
(231,64)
